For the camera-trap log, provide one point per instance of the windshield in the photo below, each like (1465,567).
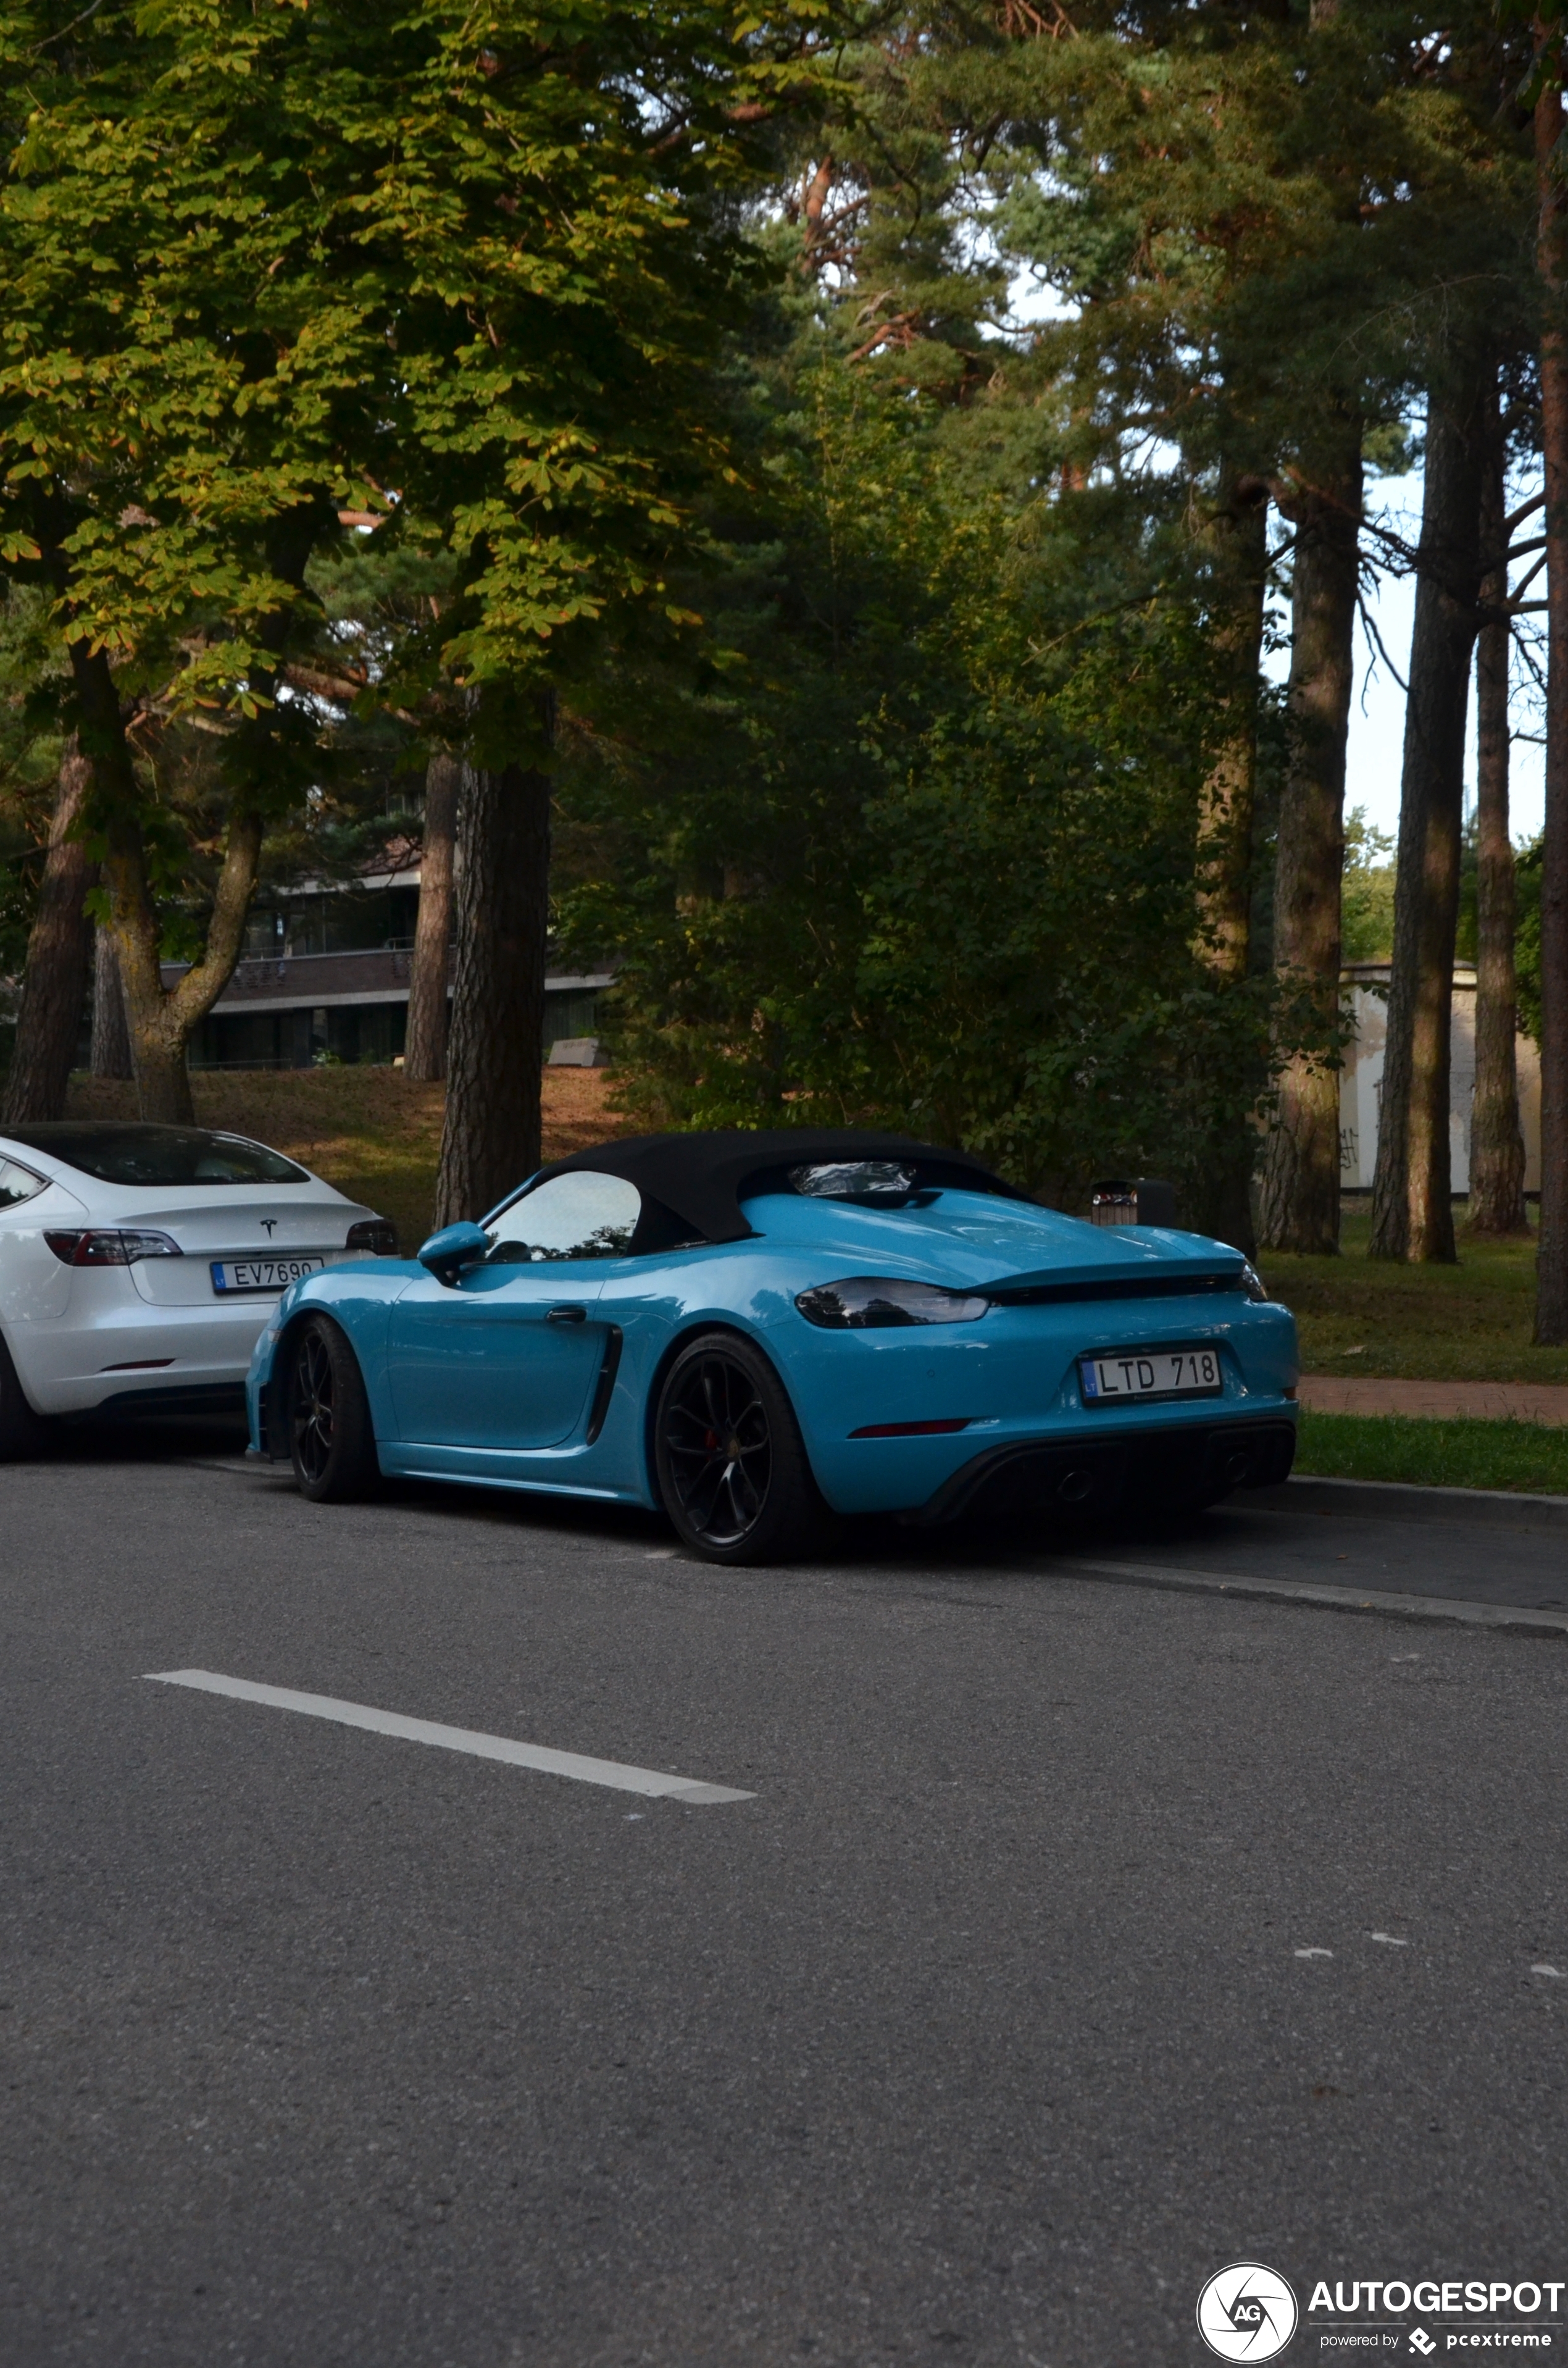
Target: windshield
(125,1152)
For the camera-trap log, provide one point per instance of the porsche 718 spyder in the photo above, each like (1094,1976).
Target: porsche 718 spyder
(757,1332)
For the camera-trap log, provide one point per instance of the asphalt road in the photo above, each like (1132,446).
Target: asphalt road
(979,2034)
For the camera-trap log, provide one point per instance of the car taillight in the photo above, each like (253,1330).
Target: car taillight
(913,1429)
(869,1302)
(92,1248)
(374,1236)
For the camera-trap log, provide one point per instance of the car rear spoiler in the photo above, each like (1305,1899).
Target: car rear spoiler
(1167,1279)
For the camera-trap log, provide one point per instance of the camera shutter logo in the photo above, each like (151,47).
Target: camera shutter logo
(1246,2312)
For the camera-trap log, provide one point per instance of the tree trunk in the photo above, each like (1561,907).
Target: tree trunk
(257,758)
(491,1139)
(1413,1213)
(1497,1140)
(1239,543)
(111,1043)
(160,1021)
(157,1054)
(1299,1201)
(424,1051)
(1552,263)
(1239,540)
(54,983)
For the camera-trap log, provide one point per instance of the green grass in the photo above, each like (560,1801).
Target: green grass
(1528,1456)
(1465,1323)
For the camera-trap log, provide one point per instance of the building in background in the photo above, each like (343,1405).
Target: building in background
(1361,1080)
(323,976)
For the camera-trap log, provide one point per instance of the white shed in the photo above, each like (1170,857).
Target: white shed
(1366,988)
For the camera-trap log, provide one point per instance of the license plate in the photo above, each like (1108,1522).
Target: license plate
(1163,1373)
(262,1273)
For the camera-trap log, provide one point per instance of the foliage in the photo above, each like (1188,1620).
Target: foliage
(1366,922)
(406,260)
(1527,934)
(918,847)
(363,371)
(1247,221)
(276,276)
(31,684)
(916,837)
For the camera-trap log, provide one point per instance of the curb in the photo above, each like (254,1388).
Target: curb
(1396,1501)
(1515,1619)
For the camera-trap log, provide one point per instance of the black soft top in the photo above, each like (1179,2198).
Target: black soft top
(701,1178)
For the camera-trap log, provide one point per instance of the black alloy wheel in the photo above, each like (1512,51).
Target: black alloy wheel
(332,1442)
(732,1468)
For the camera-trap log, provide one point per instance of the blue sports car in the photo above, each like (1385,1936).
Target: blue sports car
(758,1331)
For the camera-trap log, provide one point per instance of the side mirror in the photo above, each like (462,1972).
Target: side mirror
(456,1247)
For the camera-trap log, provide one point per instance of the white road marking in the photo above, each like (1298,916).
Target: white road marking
(613,1772)
(1551,1971)
(1388,1940)
(1315,1953)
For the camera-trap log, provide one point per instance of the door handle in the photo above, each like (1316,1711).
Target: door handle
(569,1314)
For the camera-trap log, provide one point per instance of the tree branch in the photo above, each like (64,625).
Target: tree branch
(198,990)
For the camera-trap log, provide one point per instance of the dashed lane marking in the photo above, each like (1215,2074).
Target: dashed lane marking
(613,1772)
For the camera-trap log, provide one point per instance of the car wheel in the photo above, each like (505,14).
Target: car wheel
(332,1441)
(23,1433)
(731,1466)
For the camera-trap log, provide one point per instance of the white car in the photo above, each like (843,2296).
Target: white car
(139,1263)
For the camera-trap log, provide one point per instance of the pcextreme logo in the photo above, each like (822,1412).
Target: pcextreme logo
(1246,2312)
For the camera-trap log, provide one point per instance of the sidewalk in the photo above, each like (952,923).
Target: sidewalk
(1545,1402)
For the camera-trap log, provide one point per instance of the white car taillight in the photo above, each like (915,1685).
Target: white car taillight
(85,1247)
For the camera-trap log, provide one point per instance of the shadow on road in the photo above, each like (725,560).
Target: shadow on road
(972,1543)
(1474,1560)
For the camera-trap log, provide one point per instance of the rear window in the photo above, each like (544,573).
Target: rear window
(885,1181)
(126,1152)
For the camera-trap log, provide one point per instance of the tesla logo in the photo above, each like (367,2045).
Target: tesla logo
(269,1225)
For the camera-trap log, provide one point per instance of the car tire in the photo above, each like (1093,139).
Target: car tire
(731,1463)
(24,1435)
(332,1440)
